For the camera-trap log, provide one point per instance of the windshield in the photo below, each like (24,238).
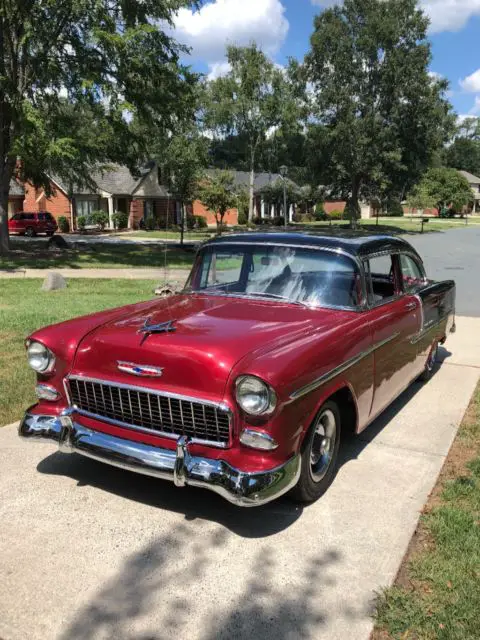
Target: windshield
(300,275)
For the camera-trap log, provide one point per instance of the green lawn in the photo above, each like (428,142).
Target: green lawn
(391,225)
(189,236)
(438,591)
(24,308)
(96,256)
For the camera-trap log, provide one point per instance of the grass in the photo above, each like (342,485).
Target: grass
(437,593)
(24,308)
(95,256)
(394,226)
(189,236)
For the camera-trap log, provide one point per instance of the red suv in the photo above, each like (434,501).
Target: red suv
(29,224)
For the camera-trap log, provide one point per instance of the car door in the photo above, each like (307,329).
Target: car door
(395,320)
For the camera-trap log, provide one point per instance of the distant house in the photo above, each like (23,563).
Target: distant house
(474,183)
(16,196)
(117,189)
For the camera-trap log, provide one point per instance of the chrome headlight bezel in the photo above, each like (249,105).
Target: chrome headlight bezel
(40,354)
(248,386)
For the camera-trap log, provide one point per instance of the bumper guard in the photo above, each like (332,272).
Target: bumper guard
(238,487)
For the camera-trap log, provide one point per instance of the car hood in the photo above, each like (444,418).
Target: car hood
(211,335)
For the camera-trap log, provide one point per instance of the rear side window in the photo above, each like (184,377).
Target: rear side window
(17,216)
(41,216)
(380,278)
(412,274)
(28,216)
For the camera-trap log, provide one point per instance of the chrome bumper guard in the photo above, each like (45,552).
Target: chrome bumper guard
(240,488)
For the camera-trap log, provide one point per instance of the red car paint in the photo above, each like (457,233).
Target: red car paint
(289,346)
(32,223)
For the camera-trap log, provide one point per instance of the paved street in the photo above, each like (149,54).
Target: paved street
(454,255)
(90,552)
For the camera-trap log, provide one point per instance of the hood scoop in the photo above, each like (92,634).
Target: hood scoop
(149,329)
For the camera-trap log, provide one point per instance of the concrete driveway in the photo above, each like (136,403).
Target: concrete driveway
(91,552)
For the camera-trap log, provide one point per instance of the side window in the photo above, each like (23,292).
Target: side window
(222,269)
(380,278)
(29,216)
(41,216)
(17,216)
(412,275)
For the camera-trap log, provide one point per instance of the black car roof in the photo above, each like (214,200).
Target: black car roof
(357,246)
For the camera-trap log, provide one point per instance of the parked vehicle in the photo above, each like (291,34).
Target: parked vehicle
(246,382)
(32,223)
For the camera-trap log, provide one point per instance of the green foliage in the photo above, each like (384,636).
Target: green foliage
(81,223)
(319,212)
(379,117)
(277,221)
(336,214)
(393,207)
(464,154)
(441,187)
(242,218)
(63,224)
(99,219)
(253,98)
(120,220)
(217,193)
(150,222)
(71,70)
(201,222)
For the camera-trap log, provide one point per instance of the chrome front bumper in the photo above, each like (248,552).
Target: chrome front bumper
(240,488)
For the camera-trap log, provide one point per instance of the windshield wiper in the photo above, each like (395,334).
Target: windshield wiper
(262,294)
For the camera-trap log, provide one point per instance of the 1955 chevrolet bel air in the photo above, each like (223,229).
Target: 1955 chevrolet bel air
(245,381)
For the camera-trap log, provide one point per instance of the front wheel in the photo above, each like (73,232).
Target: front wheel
(431,362)
(319,455)
(30,232)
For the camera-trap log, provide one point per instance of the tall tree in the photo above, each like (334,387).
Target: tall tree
(379,117)
(441,187)
(251,101)
(218,194)
(107,59)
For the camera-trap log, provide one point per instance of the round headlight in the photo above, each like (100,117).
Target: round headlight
(40,358)
(255,396)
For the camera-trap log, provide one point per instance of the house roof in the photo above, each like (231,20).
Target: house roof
(470,177)
(119,180)
(262,180)
(16,189)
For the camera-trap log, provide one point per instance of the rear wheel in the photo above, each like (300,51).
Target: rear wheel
(30,232)
(50,233)
(431,362)
(319,455)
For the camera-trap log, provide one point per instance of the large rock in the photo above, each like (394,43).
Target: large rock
(54,281)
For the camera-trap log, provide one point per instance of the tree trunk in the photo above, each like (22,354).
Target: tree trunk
(4,191)
(251,194)
(353,205)
(182,225)
(219,219)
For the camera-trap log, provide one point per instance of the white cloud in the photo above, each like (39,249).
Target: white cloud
(472,82)
(218,69)
(445,15)
(434,75)
(476,106)
(222,22)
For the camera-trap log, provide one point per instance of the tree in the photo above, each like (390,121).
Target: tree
(378,116)
(441,187)
(183,160)
(217,193)
(464,154)
(105,60)
(252,100)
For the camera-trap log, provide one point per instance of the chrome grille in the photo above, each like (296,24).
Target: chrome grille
(148,410)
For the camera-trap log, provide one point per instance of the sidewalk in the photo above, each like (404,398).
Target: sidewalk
(162,275)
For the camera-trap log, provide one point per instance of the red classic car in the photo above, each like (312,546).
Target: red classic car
(245,382)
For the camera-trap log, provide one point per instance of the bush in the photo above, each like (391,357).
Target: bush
(337,215)
(278,221)
(320,213)
(242,218)
(120,220)
(81,223)
(394,208)
(99,218)
(63,224)
(150,223)
(201,222)
(190,221)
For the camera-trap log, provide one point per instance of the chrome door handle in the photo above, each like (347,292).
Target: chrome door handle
(411,305)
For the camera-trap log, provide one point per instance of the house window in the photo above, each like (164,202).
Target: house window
(86,206)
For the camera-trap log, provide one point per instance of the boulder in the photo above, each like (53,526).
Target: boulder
(54,281)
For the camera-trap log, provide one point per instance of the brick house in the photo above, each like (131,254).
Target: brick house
(16,197)
(117,190)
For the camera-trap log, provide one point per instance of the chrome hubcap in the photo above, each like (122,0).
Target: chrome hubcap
(432,358)
(323,445)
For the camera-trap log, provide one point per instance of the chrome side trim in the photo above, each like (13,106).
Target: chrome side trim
(427,328)
(333,373)
(244,489)
(221,406)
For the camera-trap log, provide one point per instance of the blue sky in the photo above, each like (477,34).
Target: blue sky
(283,27)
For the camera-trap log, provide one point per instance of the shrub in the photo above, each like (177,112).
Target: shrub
(320,213)
(242,218)
(81,223)
(190,221)
(150,223)
(99,218)
(336,215)
(394,208)
(278,221)
(120,220)
(63,224)
(201,222)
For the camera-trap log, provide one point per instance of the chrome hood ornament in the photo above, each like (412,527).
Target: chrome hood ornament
(140,370)
(149,329)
